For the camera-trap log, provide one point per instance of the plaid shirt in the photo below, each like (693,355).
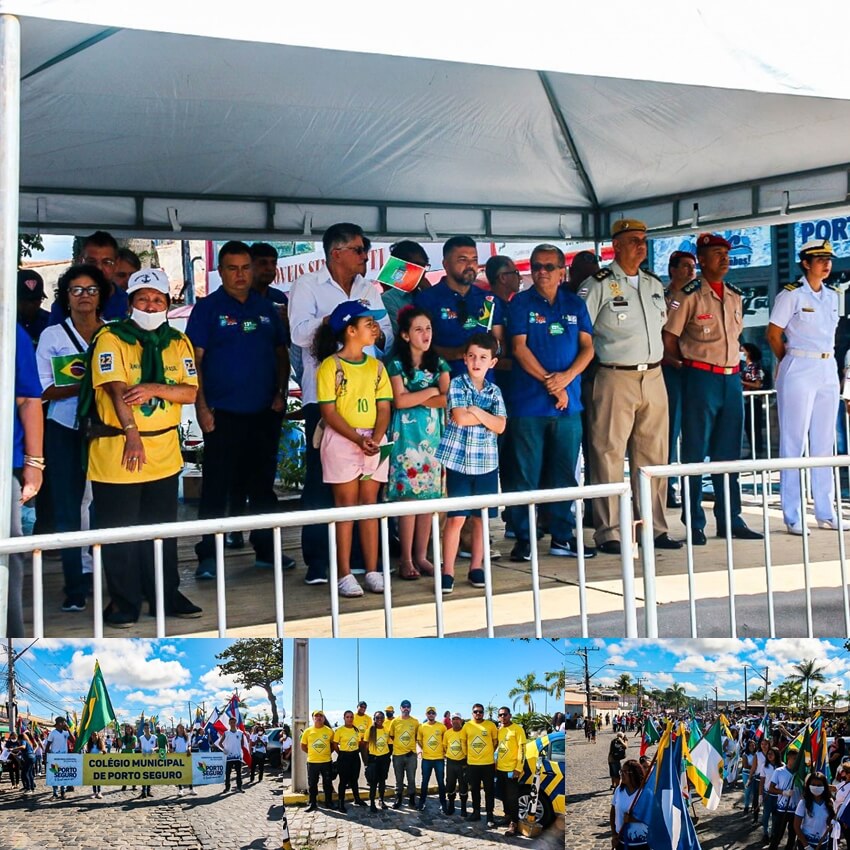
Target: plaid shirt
(471,449)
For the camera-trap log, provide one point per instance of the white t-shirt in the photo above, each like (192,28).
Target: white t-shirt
(767,772)
(814,824)
(180,745)
(58,740)
(54,342)
(789,796)
(842,793)
(147,744)
(285,745)
(259,742)
(635,831)
(232,744)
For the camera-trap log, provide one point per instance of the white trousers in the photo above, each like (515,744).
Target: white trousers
(807,399)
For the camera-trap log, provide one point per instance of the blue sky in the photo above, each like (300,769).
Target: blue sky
(700,665)
(450,674)
(158,676)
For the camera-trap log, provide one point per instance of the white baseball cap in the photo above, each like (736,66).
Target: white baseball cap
(149,279)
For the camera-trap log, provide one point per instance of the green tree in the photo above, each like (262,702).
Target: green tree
(623,685)
(532,722)
(808,671)
(675,696)
(28,243)
(526,687)
(255,663)
(557,681)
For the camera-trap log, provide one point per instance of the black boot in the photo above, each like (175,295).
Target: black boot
(412,801)
(372,807)
(342,804)
(463,806)
(383,804)
(314,806)
(444,805)
(450,808)
(397,803)
(358,800)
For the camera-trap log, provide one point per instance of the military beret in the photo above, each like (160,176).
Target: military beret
(816,248)
(681,255)
(712,240)
(624,225)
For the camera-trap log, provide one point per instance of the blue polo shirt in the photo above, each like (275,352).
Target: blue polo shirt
(551,332)
(27,385)
(117,307)
(454,318)
(240,342)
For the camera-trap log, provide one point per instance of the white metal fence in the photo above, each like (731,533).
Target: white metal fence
(156,533)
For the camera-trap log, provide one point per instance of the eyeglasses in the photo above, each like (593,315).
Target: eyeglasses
(92,261)
(80,290)
(478,711)
(540,267)
(513,273)
(360,250)
(504,714)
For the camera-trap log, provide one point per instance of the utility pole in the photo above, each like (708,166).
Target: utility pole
(715,699)
(583,654)
(640,679)
(11,686)
(745,692)
(300,709)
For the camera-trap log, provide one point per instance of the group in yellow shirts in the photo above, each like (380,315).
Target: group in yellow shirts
(464,758)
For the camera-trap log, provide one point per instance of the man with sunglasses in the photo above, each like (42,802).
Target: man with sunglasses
(481,741)
(312,299)
(509,764)
(629,414)
(552,343)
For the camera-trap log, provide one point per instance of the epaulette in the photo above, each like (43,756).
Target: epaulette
(734,289)
(652,274)
(795,284)
(603,273)
(692,287)
(833,286)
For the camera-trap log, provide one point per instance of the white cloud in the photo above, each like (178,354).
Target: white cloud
(621,661)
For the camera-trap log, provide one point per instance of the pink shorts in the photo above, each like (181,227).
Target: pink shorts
(343,461)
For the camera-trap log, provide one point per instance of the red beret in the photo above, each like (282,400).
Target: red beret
(680,255)
(712,240)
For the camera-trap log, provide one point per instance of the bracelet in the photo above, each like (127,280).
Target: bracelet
(33,457)
(131,426)
(35,463)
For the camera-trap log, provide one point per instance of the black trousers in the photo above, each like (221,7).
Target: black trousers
(240,461)
(348,768)
(382,771)
(129,566)
(314,772)
(233,765)
(509,786)
(258,765)
(478,775)
(782,822)
(456,778)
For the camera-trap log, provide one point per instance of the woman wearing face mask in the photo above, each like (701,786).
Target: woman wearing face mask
(815,813)
(142,372)
(842,795)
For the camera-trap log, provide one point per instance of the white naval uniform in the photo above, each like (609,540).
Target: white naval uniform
(807,390)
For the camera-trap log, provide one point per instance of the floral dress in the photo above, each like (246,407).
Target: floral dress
(415,472)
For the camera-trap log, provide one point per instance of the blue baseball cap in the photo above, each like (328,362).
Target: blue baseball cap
(344,314)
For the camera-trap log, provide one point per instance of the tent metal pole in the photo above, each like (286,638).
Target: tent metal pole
(10,137)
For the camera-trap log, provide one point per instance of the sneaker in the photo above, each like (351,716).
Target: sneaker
(181,607)
(375,582)
(120,619)
(316,575)
(448,584)
(829,524)
(569,549)
(206,569)
(476,578)
(798,529)
(76,604)
(263,563)
(521,551)
(193,792)
(234,540)
(179,792)
(349,587)
(510,534)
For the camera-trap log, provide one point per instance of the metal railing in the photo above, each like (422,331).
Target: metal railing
(764,468)
(38,544)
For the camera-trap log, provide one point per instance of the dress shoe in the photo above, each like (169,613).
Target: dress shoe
(797,528)
(610,547)
(741,532)
(697,537)
(665,541)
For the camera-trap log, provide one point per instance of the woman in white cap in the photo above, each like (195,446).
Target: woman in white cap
(141,373)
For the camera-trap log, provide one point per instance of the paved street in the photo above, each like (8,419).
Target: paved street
(589,802)
(122,821)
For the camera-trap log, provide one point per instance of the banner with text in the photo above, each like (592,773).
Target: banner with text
(135,769)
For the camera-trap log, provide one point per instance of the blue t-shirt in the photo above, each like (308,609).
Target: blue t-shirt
(552,335)
(455,318)
(117,307)
(240,342)
(27,385)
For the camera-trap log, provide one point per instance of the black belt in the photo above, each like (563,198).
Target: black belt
(640,367)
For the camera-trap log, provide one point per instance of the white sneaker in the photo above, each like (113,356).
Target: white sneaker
(829,524)
(797,528)
(193,792)
(179,792)
(375,582)
(348,586)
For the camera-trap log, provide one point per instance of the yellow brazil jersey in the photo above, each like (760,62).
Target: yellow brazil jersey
(357,393)
(481,741)
(511,755)
(318,743)
(115,360)
(382,742)
(454,744)
(348,740)
(430,737)
(404,735)
(388,725)
(363,724)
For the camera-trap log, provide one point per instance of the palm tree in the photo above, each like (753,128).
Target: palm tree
(526,686)
(807,672)
(757,694)
(675,696)
(557,681)
(623,685)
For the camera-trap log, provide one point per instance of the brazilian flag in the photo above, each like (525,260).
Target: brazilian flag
(68,369)
(97,711)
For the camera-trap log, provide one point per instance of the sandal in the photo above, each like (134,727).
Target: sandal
(407,571)
(425,569)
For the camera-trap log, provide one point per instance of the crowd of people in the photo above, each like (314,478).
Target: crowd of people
(23,753)
(466,758)
(451,389)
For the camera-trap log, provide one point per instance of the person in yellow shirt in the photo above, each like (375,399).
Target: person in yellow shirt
(362,720)
(404,754)
(509,764)
(317,742)
(346,745)
(376,749)
(481,740)
(389,714)
(454,743)
(430,739)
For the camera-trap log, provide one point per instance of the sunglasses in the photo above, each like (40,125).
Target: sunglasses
(478,711)
(540,267)
(360,250)
(504,714)
(80,290)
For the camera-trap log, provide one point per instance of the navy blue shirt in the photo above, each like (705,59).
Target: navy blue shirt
(27,385)
(552,335)
(240,342)
(36,326)
(276,296)
(117,307)
(455,318)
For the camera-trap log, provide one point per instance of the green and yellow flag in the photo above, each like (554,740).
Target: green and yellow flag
(97,710)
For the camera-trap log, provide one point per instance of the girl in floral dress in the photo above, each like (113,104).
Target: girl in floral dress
(420,382)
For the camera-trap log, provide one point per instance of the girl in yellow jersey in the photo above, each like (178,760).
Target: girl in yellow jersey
(317,741)
(346,745)
(376,749)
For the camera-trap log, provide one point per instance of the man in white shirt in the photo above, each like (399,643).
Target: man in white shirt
(230,743)
(312,299)
(57,742)
(259,745)
(782,784)
(147,745)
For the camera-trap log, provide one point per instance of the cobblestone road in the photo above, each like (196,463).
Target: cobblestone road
(589,802)
(122,821)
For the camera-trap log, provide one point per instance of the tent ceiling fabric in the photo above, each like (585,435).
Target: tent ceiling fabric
(269,139)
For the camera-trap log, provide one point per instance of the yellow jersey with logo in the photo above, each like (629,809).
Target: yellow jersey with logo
(318,743)
(511,753)
(363,724)
(481,739)
(115,360)
(454,743)
(388,725)
(348,740)
(404,735)
(381,744)
(357,393)
(430,737)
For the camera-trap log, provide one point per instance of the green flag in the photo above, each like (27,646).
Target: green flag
(696,734)
(97,711)
(804,757)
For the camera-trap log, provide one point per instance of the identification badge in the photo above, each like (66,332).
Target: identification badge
(705,317)
(249,325)
(556,329)
(808,309)
(619,303)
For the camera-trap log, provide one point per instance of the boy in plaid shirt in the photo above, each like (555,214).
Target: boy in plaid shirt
(468,450)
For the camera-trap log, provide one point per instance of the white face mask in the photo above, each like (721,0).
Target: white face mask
(817,790)
(148,321)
